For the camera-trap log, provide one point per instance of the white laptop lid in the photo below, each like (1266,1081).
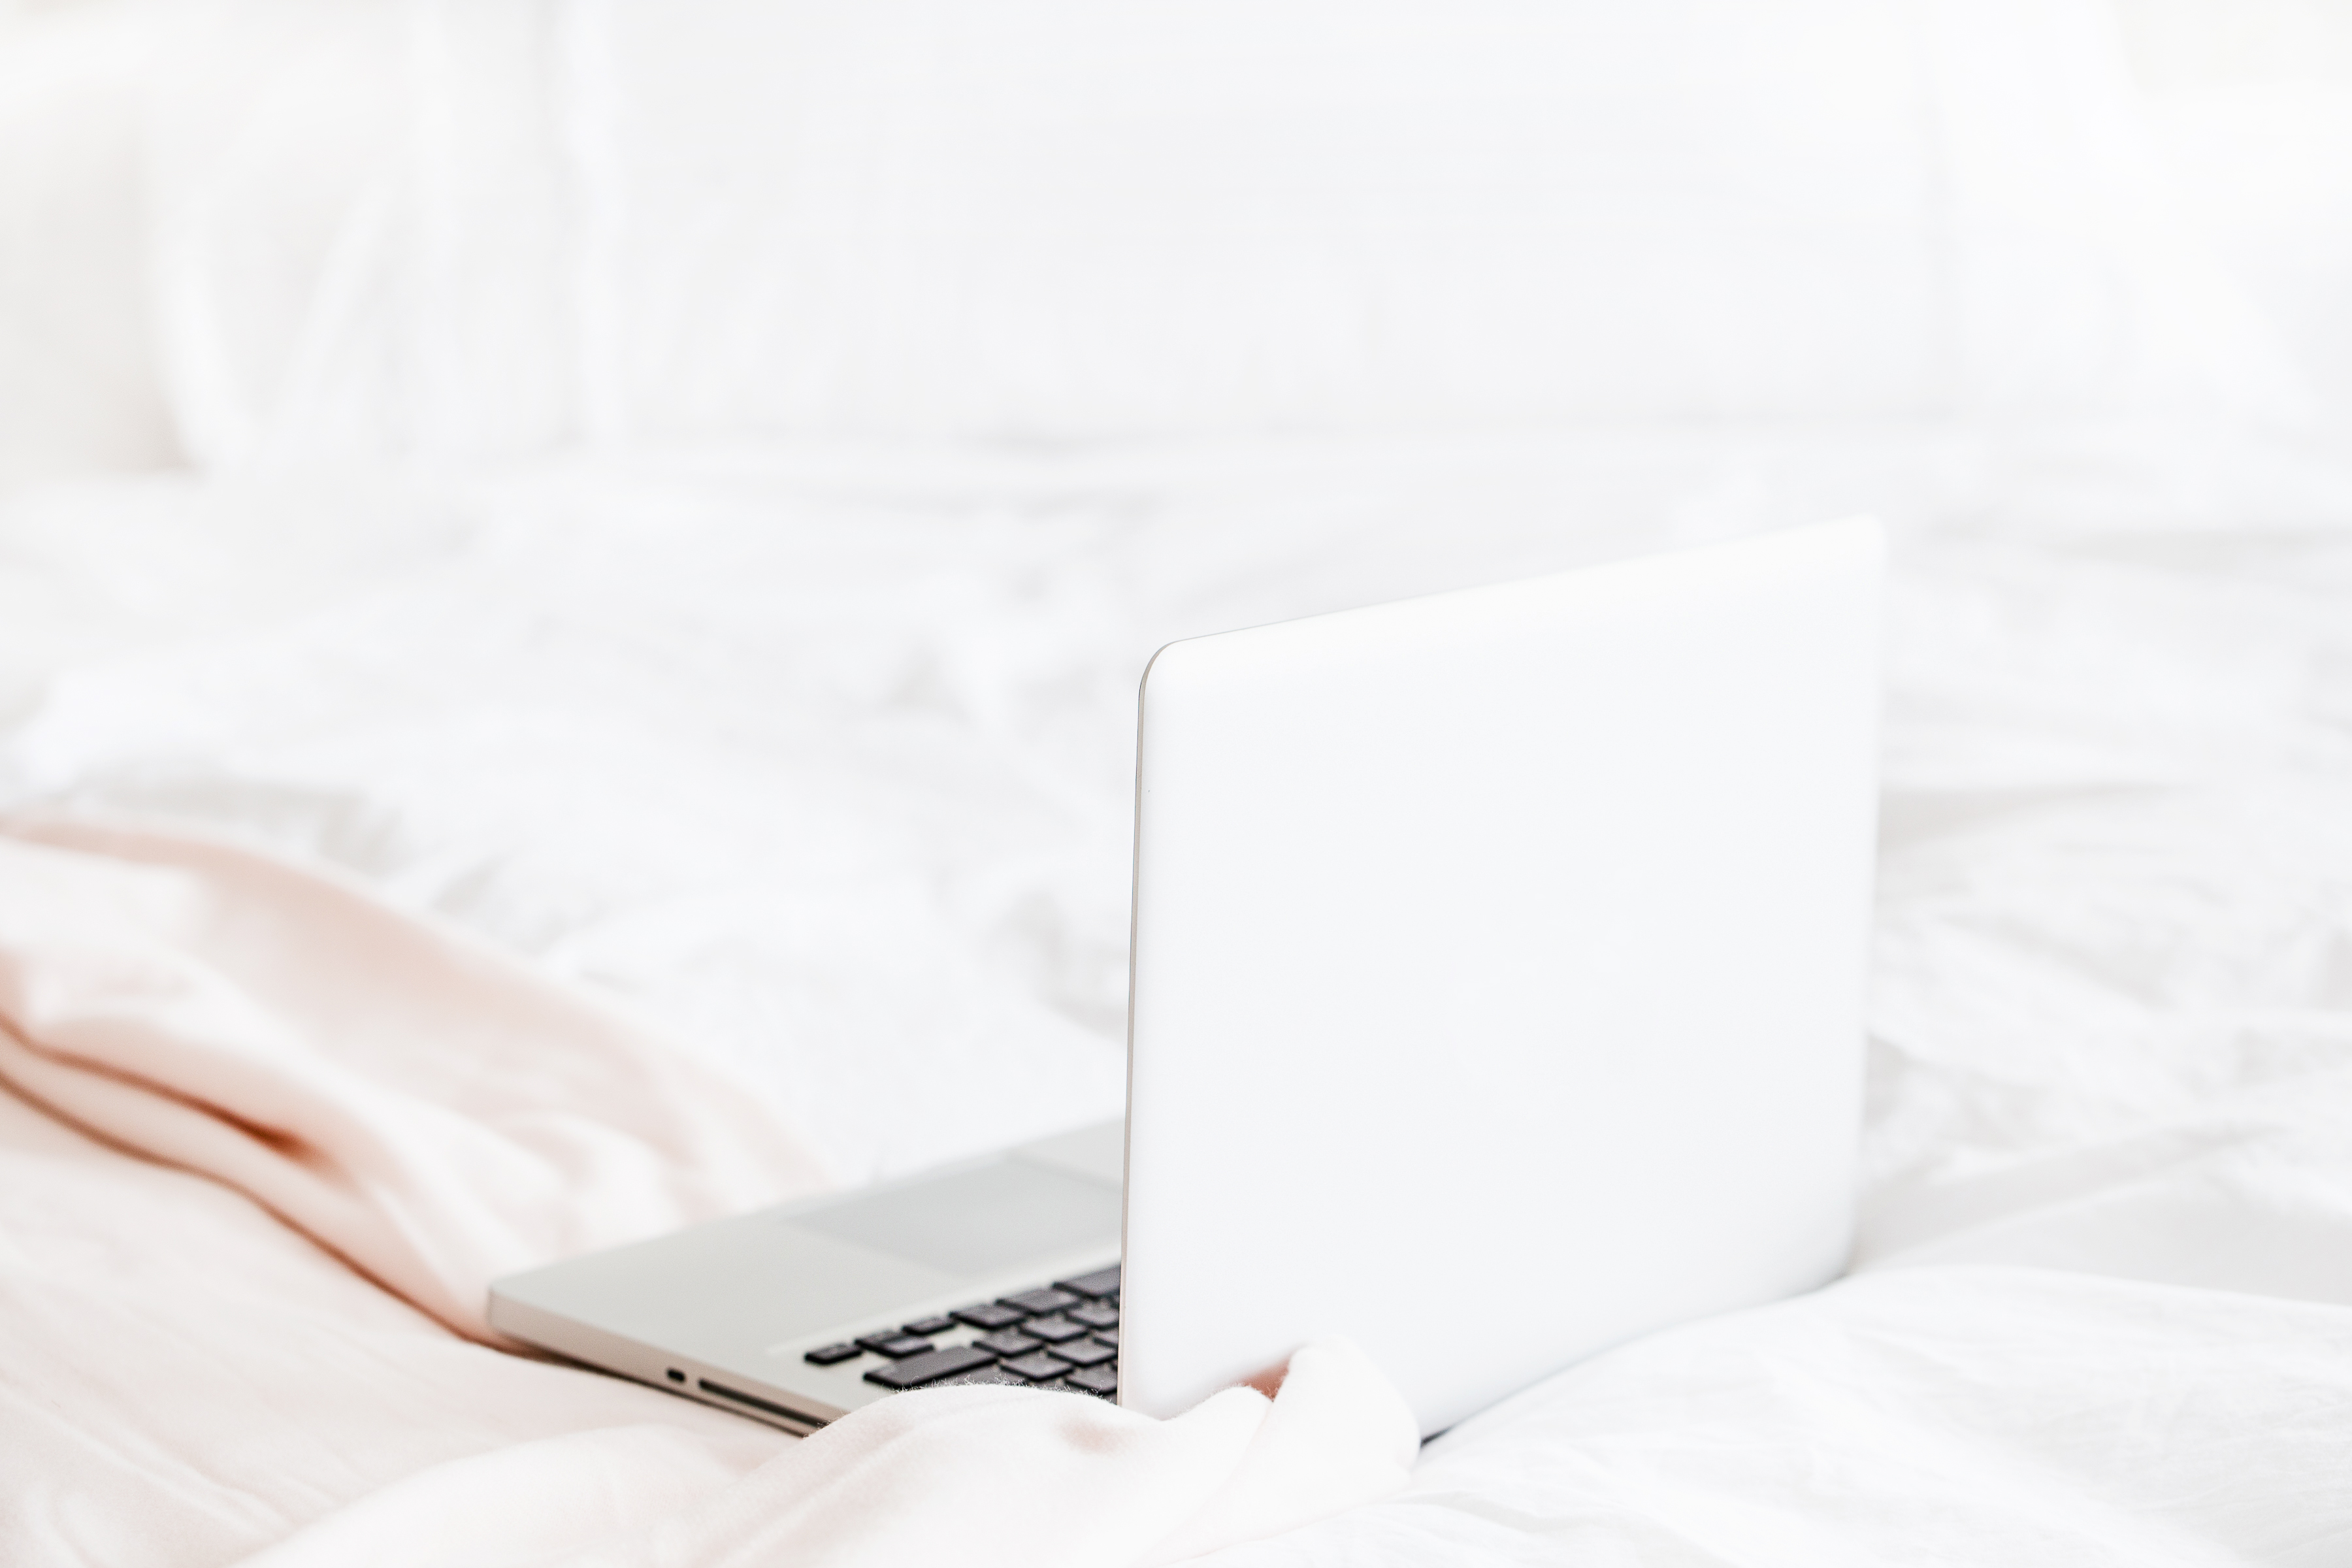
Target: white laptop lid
(1499,963)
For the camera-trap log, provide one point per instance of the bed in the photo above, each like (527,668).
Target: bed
(647,559)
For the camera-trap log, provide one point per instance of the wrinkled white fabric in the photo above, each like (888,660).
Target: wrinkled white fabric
(980,1476)
(821,758)
(438,1115)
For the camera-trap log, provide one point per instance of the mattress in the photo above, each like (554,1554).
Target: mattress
(819,758)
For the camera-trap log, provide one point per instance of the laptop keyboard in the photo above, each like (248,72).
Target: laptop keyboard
(1061,1336)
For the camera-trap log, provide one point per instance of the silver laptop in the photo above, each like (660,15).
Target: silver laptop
(1497,995)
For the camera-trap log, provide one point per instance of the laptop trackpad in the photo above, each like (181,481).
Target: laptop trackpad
(978,1220)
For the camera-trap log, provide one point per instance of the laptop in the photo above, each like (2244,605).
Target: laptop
(1495,997)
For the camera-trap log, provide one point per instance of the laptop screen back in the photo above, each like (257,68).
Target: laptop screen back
(1498,970)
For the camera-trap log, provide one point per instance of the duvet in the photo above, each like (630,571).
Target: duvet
(792,785)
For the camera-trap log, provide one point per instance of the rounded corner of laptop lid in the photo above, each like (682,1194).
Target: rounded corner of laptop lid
(1498,967)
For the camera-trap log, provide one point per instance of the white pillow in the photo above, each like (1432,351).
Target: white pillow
(1051,219)
(362,214)
(77,381)
(2252,102)
(454,230)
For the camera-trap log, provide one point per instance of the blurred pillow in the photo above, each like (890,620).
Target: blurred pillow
(2076,282)
(78,377)
(1053,218)
(362,210)
(444,229)
(2252,102)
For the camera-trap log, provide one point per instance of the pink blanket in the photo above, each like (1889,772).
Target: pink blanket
(267,1142)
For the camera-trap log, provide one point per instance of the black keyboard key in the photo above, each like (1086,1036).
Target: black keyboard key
(929,1326)
(826,1355)
(1101,1282)
(1085,1353)
(1095,1317)
(1047,1300)
(1053,1330)
(1108,1337)
(896,1346)
(989,1315)
(930,1367)
(1034,1367)
(1008,1342)
(1097,1380)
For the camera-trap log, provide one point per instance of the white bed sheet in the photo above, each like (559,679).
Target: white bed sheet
(820,759)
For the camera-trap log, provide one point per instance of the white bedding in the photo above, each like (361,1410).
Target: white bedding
(921,369)
(819,757)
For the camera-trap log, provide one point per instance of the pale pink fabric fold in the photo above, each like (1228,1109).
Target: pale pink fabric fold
(436,1114)
(973,1477)
(419,1104)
